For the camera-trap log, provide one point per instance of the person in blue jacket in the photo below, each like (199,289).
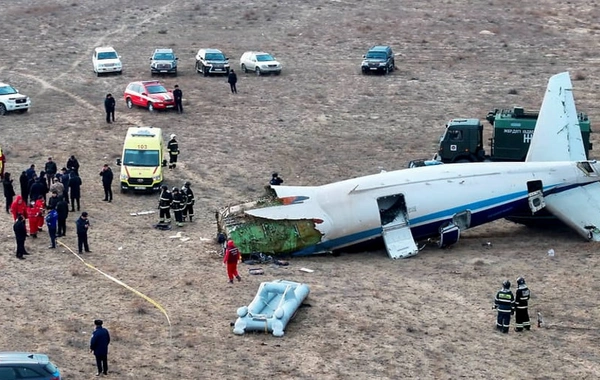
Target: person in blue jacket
(52,223)
(99,347)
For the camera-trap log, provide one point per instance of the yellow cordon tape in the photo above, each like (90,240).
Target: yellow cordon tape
(156,304)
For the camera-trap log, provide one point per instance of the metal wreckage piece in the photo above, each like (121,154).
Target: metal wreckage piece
(253,234)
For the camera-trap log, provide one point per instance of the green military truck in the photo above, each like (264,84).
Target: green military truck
(512,132)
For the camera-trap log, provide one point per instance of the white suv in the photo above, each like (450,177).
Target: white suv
(106,60)
(260,63)
(211,61)
(11,100)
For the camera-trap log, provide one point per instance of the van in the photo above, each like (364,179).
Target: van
(142,160)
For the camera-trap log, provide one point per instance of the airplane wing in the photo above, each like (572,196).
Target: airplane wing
(293,191)
(557,134)
(579,208)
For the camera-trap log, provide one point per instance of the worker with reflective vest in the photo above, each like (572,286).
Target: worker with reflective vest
(521,306)
(504,302)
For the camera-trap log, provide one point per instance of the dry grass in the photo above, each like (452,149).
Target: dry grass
(320,121)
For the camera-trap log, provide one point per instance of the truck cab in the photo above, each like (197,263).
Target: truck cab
(461,142)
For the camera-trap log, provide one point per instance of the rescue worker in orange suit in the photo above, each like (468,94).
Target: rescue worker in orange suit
(36,217)
(18,207)
(505,303)
(521,306)
(40,206)
(231,259)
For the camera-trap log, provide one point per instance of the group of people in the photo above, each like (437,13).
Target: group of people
(33,206)
(508,304)
(180,201)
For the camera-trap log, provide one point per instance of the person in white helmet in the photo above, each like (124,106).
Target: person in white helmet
(173,148)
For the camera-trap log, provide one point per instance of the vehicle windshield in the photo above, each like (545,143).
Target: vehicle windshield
(215,57)
(164,57)
(7,90)
(156,89)
(264,58)
(376,55)
(108,55)
(135,157)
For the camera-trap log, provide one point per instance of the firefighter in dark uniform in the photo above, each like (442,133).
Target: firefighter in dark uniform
(164,204)
(504,302)
(521,306)
(188,211)
(275,180)
(173,148)
(178,205)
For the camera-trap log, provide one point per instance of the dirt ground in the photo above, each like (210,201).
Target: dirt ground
(428,317)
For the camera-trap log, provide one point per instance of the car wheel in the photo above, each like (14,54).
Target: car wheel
(277,72)
(386,71)
(2,109)
(205,70)
(98,74)
(150,107)
(129,103)
(244,68)
(257,71)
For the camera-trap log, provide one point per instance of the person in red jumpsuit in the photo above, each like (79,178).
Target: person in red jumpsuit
(40,206)
(18,207)
(34,214)
(231,259)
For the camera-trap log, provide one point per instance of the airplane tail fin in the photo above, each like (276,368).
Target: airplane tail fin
(557,134)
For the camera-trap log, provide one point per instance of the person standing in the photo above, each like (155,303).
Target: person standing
(521,306)
(30,172)
(9,191)
(231,259)
(62,211)
(275,180)
(109,106)
(33,218)
(178,95)
(24,184)
(177,205)
(40,207)
(107,178)
(72,165)
(188,211)
(505,303)
(2,163)
(20,236)
(50,169)
(99,347)
(64,179)
(75,190)
(36,189)
(52,222)
(83,224)
(18,207)
(173,147)
(232,80)
(164,205)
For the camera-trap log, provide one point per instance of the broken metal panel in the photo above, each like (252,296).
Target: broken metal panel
(255,234)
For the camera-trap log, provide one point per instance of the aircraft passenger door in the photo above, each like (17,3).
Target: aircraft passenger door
(396,233)
(535,196)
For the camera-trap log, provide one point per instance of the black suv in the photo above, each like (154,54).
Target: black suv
(26,365)
(379,59)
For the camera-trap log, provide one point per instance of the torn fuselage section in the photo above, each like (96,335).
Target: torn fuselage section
(256,234)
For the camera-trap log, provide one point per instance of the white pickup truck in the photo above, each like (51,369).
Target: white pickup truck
(11,100)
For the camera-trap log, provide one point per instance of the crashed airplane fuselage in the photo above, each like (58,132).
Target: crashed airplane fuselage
(439,202)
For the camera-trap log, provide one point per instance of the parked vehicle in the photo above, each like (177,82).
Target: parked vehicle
(211,61)
(259,63)
(106,60)
(11,100)
(163,61)
(27,365)
(148,94)
(379,59)
(142,160)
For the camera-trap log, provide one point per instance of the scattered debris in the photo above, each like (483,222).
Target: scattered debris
(162,226)
(306,270)
(176,236)
(185,239)
(120,249)
(551,252)
(256,271)
(281,263)
(142,213)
